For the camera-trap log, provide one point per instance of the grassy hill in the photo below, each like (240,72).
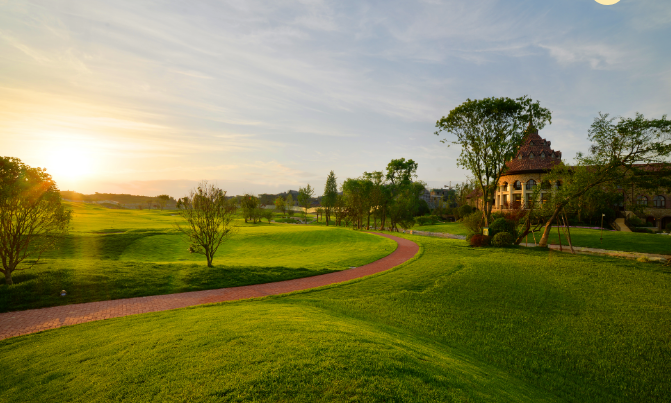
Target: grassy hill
(455,324)
(113,254)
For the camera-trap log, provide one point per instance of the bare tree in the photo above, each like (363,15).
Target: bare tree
(208,218)
(32,218)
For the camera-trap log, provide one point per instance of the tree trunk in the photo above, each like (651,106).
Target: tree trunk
(543,243)
(8,277)
(559,235)
(568,232)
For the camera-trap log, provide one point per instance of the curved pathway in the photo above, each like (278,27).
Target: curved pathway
(35,320)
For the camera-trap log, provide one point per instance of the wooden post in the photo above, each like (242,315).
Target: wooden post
(559,234)
(568,232)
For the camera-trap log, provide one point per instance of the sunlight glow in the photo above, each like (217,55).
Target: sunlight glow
(607,2)
(70,162)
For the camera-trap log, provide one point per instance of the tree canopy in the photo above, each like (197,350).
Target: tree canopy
(32,217)
(490,132)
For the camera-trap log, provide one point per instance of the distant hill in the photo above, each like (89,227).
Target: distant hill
(113,200)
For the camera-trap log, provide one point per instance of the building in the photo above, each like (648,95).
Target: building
(534,159)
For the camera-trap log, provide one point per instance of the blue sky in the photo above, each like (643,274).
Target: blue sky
(151,97)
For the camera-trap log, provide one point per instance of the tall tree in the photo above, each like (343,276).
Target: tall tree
(250,206)
(32,218)
(403,198)
(208,217)
(305,199)
(289,202)
(489,132)
(281,206)
(631,148)
(330,195)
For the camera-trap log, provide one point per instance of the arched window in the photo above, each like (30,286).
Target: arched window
(517,185)
(504,187)
(519,157)
(545,185)
(531,184)
(642,200)
(659,201)
(543,155)
(531,156)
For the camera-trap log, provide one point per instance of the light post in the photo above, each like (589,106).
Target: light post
(602,215)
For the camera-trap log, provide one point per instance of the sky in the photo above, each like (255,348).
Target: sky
(151,97)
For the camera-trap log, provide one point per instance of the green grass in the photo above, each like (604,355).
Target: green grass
(455,324)
(589,238)
(146,256)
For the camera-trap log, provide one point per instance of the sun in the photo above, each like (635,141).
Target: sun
(69,163)
(607,2)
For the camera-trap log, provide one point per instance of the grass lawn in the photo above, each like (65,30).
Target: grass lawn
(113,254)
(589,238)
(455,324)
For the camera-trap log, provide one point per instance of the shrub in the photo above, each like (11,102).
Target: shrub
(473,223)
(497,215)
(426,220)
(502,225)
(502,239)
(668,227)
(478,240)
(465,210)
(643,230)
(635,222)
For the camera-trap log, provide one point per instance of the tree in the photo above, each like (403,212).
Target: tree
(149,202)
(290,205)
(162,200)
(489,132)
(32,218)
(249,205)
(330,195)
(403,197)
(280,205)
(305,199)
(634,149)
(208,218)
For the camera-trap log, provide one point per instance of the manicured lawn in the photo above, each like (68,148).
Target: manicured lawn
(615,240)
(456,324)
(146,256)
(589,238)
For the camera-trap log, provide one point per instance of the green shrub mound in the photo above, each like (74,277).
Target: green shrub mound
(502,239)
(502,225)
(478,240)
(668,227)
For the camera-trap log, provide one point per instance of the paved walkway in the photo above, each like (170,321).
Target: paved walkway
(34,320)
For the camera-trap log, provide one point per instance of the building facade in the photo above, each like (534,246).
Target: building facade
(536,157)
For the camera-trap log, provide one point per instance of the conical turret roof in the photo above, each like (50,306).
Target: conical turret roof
(535,154)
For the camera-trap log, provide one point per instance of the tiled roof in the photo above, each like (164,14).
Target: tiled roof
(534,154)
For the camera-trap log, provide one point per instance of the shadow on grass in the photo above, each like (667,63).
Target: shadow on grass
(97,280)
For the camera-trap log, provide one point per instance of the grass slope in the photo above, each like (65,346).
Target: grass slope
(456,324)
(145,256)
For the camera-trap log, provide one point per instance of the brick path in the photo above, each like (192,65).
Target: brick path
(34,320)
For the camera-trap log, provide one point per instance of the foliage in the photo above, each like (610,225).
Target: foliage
(422,208)
(280,205)
(208,216)
(489,133)
(668,227)
(330,195)
(426,220)
(634,221)
(32,218)
(250,205)
(622,151)
(163,200)
(305,199)
(473,223)
(503,225)
(502,239)
(465,211)
(477,240)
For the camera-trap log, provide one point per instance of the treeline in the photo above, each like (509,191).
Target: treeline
(124,200)
(389,198)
